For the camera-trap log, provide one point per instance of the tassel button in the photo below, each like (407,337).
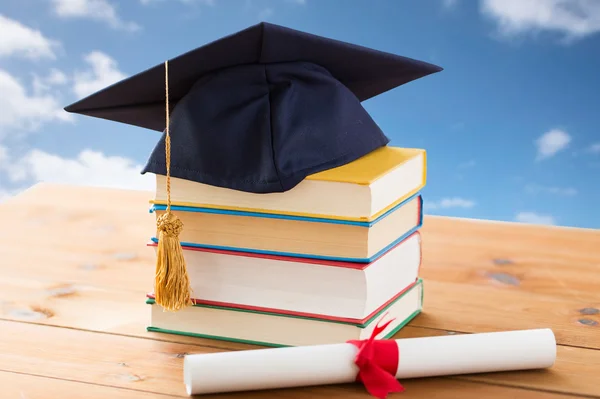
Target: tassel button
(169,224)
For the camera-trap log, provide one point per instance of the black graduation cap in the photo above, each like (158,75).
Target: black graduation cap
(261,109)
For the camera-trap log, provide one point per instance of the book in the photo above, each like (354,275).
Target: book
(296,236)
(272,329)
(344,291)
(361,190)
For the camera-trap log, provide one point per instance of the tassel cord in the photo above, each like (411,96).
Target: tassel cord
(172,287)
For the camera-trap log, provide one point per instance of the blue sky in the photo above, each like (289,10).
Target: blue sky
(511,125)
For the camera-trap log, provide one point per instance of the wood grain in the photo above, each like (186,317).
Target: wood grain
(480,310)
(559,262)
(63,302)
(473,308)
(25,386)
(75,269)
(156,366)
(91,276)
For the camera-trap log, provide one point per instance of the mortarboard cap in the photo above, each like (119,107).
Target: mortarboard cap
(256,111)
(261,109)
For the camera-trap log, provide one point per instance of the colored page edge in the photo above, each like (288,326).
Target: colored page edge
(266,344)
(371,259)
(360,323)
(361,220)
(303,218)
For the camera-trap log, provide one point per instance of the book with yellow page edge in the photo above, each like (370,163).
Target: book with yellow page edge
(361,190)
(257,111)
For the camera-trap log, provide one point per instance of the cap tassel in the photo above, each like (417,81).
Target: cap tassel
(172,286)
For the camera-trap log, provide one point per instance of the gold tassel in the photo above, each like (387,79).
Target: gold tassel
(172,286)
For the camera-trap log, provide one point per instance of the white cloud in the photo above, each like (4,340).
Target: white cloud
(89,168)
(3,157)
(300,2)
(563,191)
(103,72)
(5,193)
(534,218)
(575,19)
(594,148)
(23,41)
(445,203)
(24,112)
(99,10)
(56,77)
(551,143)
(44,84)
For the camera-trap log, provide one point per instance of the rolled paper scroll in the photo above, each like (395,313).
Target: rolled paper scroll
(369,361)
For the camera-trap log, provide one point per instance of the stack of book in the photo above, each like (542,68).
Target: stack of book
(321,263)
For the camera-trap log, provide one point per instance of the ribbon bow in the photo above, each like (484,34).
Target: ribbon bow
(377,361)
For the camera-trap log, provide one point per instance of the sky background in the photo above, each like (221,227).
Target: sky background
(511,125)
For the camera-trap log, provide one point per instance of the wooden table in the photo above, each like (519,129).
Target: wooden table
(74,270)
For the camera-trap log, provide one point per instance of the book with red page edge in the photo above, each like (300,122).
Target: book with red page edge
(351,265)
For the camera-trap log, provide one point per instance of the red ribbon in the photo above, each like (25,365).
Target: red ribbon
(377,361)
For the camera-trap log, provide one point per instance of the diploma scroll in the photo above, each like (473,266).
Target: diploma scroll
(338,363)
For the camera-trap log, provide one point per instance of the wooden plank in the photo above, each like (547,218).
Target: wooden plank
(553,261)
(60,237)
(448,306)
(450,244)
(479,277)
(116,312)
(462,231)
(27,386)
(93,275)
(156,366)
(472,308)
